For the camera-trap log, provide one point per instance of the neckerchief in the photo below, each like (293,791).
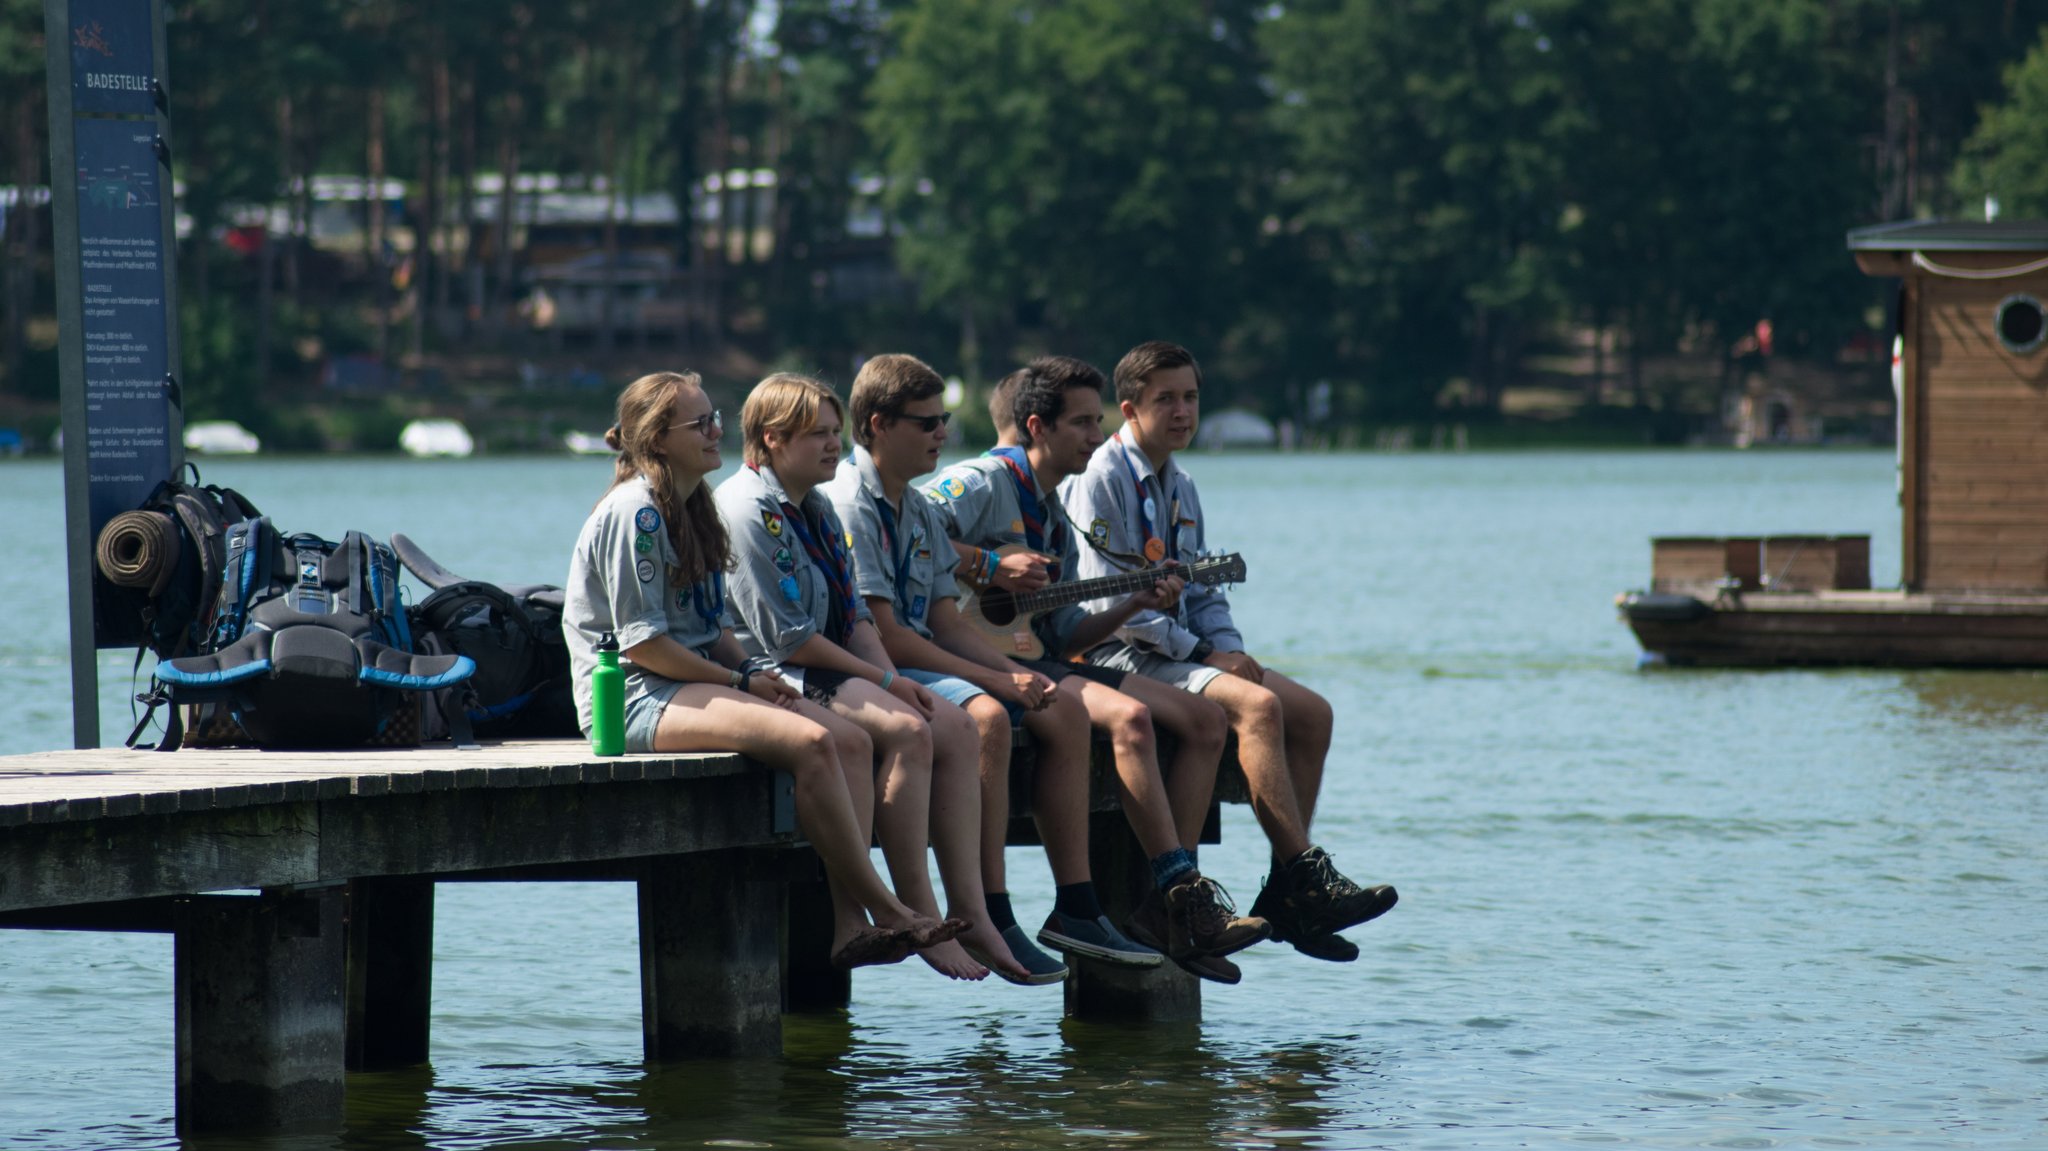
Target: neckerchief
(829,556)
(1169,541)
(1049,540)
(902,561)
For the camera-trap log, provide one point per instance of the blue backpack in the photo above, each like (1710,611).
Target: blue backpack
(310,647)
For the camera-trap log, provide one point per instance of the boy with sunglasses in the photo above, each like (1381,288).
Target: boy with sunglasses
(903,568)
(1140,508)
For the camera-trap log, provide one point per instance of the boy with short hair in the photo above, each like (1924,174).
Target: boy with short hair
(1009,497)
(1137,501)
(903,567)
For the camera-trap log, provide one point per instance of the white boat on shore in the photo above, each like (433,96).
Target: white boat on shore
(444,438)
(585,444)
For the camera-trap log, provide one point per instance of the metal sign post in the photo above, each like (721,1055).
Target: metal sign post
(117,350)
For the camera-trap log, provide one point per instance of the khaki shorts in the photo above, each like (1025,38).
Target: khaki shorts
(1193,677)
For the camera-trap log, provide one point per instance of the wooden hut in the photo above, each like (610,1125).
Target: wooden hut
(1973,456)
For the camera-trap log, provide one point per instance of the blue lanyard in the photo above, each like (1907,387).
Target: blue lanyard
(890,535)
(709,615)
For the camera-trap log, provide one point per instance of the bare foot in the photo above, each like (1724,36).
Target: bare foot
(986,944)
(952,961)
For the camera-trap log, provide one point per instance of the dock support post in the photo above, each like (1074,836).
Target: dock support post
(259,1011)
(390,971)
(810,984)
(708,963)
(1099,991)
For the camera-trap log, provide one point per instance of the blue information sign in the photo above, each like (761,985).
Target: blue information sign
(121,281)
(113,61)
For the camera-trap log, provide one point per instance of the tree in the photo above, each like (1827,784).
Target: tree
(1429,142)
(1094,167)
(2007,156)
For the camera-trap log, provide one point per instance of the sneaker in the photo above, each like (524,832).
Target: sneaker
(1044,968)
(1213,925)
(1095,939)
(1309,897)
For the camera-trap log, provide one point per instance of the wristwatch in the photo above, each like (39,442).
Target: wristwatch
(1202,650)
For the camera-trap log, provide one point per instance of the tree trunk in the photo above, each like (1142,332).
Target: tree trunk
(20,238)
(444,119)
(721,164)
(472,272)
(508,202)
(608,288)
(373,232)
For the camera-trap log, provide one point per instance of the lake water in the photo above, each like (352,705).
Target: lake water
(1639,907)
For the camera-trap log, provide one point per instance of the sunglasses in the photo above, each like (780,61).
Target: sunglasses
(929,424)
(709,424)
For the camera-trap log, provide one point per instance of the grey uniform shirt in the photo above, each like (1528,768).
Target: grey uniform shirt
(977,503)
(621,581)
(911,567)
(1104,502)
(779,597)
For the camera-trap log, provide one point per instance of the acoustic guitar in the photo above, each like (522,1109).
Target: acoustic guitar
(1005,616)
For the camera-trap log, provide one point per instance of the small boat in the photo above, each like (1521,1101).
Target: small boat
(221,438)
(585,444)
(445,438)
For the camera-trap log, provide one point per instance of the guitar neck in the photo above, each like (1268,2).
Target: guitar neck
(1123,583)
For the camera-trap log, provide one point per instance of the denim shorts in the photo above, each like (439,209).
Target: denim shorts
(643,714)
(956,691)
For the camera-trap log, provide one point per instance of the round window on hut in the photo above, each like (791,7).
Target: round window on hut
(2021,326)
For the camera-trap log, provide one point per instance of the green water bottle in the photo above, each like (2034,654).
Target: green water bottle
(608,700)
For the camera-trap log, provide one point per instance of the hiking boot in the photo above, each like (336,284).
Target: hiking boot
(1212,922)
(1095,939)
(1329,948)
(1308,897)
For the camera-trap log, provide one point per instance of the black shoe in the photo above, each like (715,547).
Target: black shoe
(1329,948)
(1308,897)
(1213,968)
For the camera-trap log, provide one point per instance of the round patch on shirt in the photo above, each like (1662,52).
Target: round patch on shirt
(784,562)
(645,570)
(951,488)
(647,519)
(643,543)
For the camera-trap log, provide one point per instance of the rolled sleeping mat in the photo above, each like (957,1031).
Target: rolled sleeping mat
(139,550)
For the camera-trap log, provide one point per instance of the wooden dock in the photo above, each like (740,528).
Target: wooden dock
(300,887)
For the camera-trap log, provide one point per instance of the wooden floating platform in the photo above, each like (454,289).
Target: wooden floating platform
(300,888)
(1846,628)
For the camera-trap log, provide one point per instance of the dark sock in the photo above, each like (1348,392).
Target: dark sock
(999,912)
(1076,901)
(1171,866)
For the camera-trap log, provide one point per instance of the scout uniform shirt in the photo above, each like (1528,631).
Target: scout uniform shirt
(905,559)
(981,504)
(782,587)
(1121,503)
(622,580)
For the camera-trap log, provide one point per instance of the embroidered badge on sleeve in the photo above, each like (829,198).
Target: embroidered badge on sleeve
(647,519)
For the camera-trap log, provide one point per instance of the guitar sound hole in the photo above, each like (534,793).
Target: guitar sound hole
(998,607)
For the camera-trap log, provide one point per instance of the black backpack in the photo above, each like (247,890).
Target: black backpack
(167,558)
(310,645)
(521,689)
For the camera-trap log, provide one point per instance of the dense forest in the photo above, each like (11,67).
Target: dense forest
(1406,198)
